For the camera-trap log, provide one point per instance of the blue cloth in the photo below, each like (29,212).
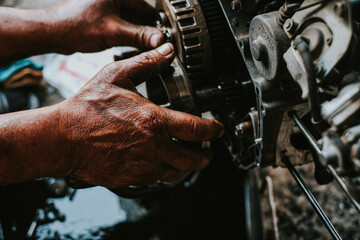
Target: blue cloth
(9,70)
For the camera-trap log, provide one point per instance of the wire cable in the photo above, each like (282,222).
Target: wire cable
(302,46)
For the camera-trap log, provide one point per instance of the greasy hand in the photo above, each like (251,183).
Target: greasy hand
(114,137)
(93,25)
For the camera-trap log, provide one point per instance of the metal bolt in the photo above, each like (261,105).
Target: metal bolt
(340,9)
(290,26)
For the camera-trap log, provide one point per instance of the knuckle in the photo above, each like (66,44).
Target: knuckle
(153,120)
(112,72)
(110,68)
(147,59)
(194,126)
(141,36)
(141,64)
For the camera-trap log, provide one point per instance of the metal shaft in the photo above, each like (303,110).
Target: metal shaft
(325,220)
(344,188)
(316,148)
(301,183)
(306,133)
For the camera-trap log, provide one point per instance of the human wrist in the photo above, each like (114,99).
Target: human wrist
(30,145)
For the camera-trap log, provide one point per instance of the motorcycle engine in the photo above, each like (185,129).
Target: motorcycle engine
(282,76)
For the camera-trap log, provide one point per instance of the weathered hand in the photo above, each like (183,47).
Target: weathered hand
(114,137)
(93,25)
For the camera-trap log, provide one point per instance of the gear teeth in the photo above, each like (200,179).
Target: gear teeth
(195,39)
(218,31)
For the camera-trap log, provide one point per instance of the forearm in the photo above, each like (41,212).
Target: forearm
(29,145)
(25,33)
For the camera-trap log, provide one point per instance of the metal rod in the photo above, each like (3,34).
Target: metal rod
(305,132)
(343,186)
(302,46)
(316,148)
(325,220)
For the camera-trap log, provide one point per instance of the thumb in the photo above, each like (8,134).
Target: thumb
(143,37)
(140,68)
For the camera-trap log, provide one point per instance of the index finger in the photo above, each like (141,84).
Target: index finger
(186,127)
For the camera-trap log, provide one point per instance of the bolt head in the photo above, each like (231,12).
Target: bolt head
(290,26)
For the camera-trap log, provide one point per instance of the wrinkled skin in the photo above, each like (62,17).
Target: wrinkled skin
(118,138)
(77,26)
(107,134)
(102,22)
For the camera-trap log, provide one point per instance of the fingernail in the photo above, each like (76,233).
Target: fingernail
(165,49)
(155,40)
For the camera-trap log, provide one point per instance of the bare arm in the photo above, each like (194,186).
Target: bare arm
(29,143)
(75,25)
(107,134)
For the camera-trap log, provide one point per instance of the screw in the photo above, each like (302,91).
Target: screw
(290,26)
